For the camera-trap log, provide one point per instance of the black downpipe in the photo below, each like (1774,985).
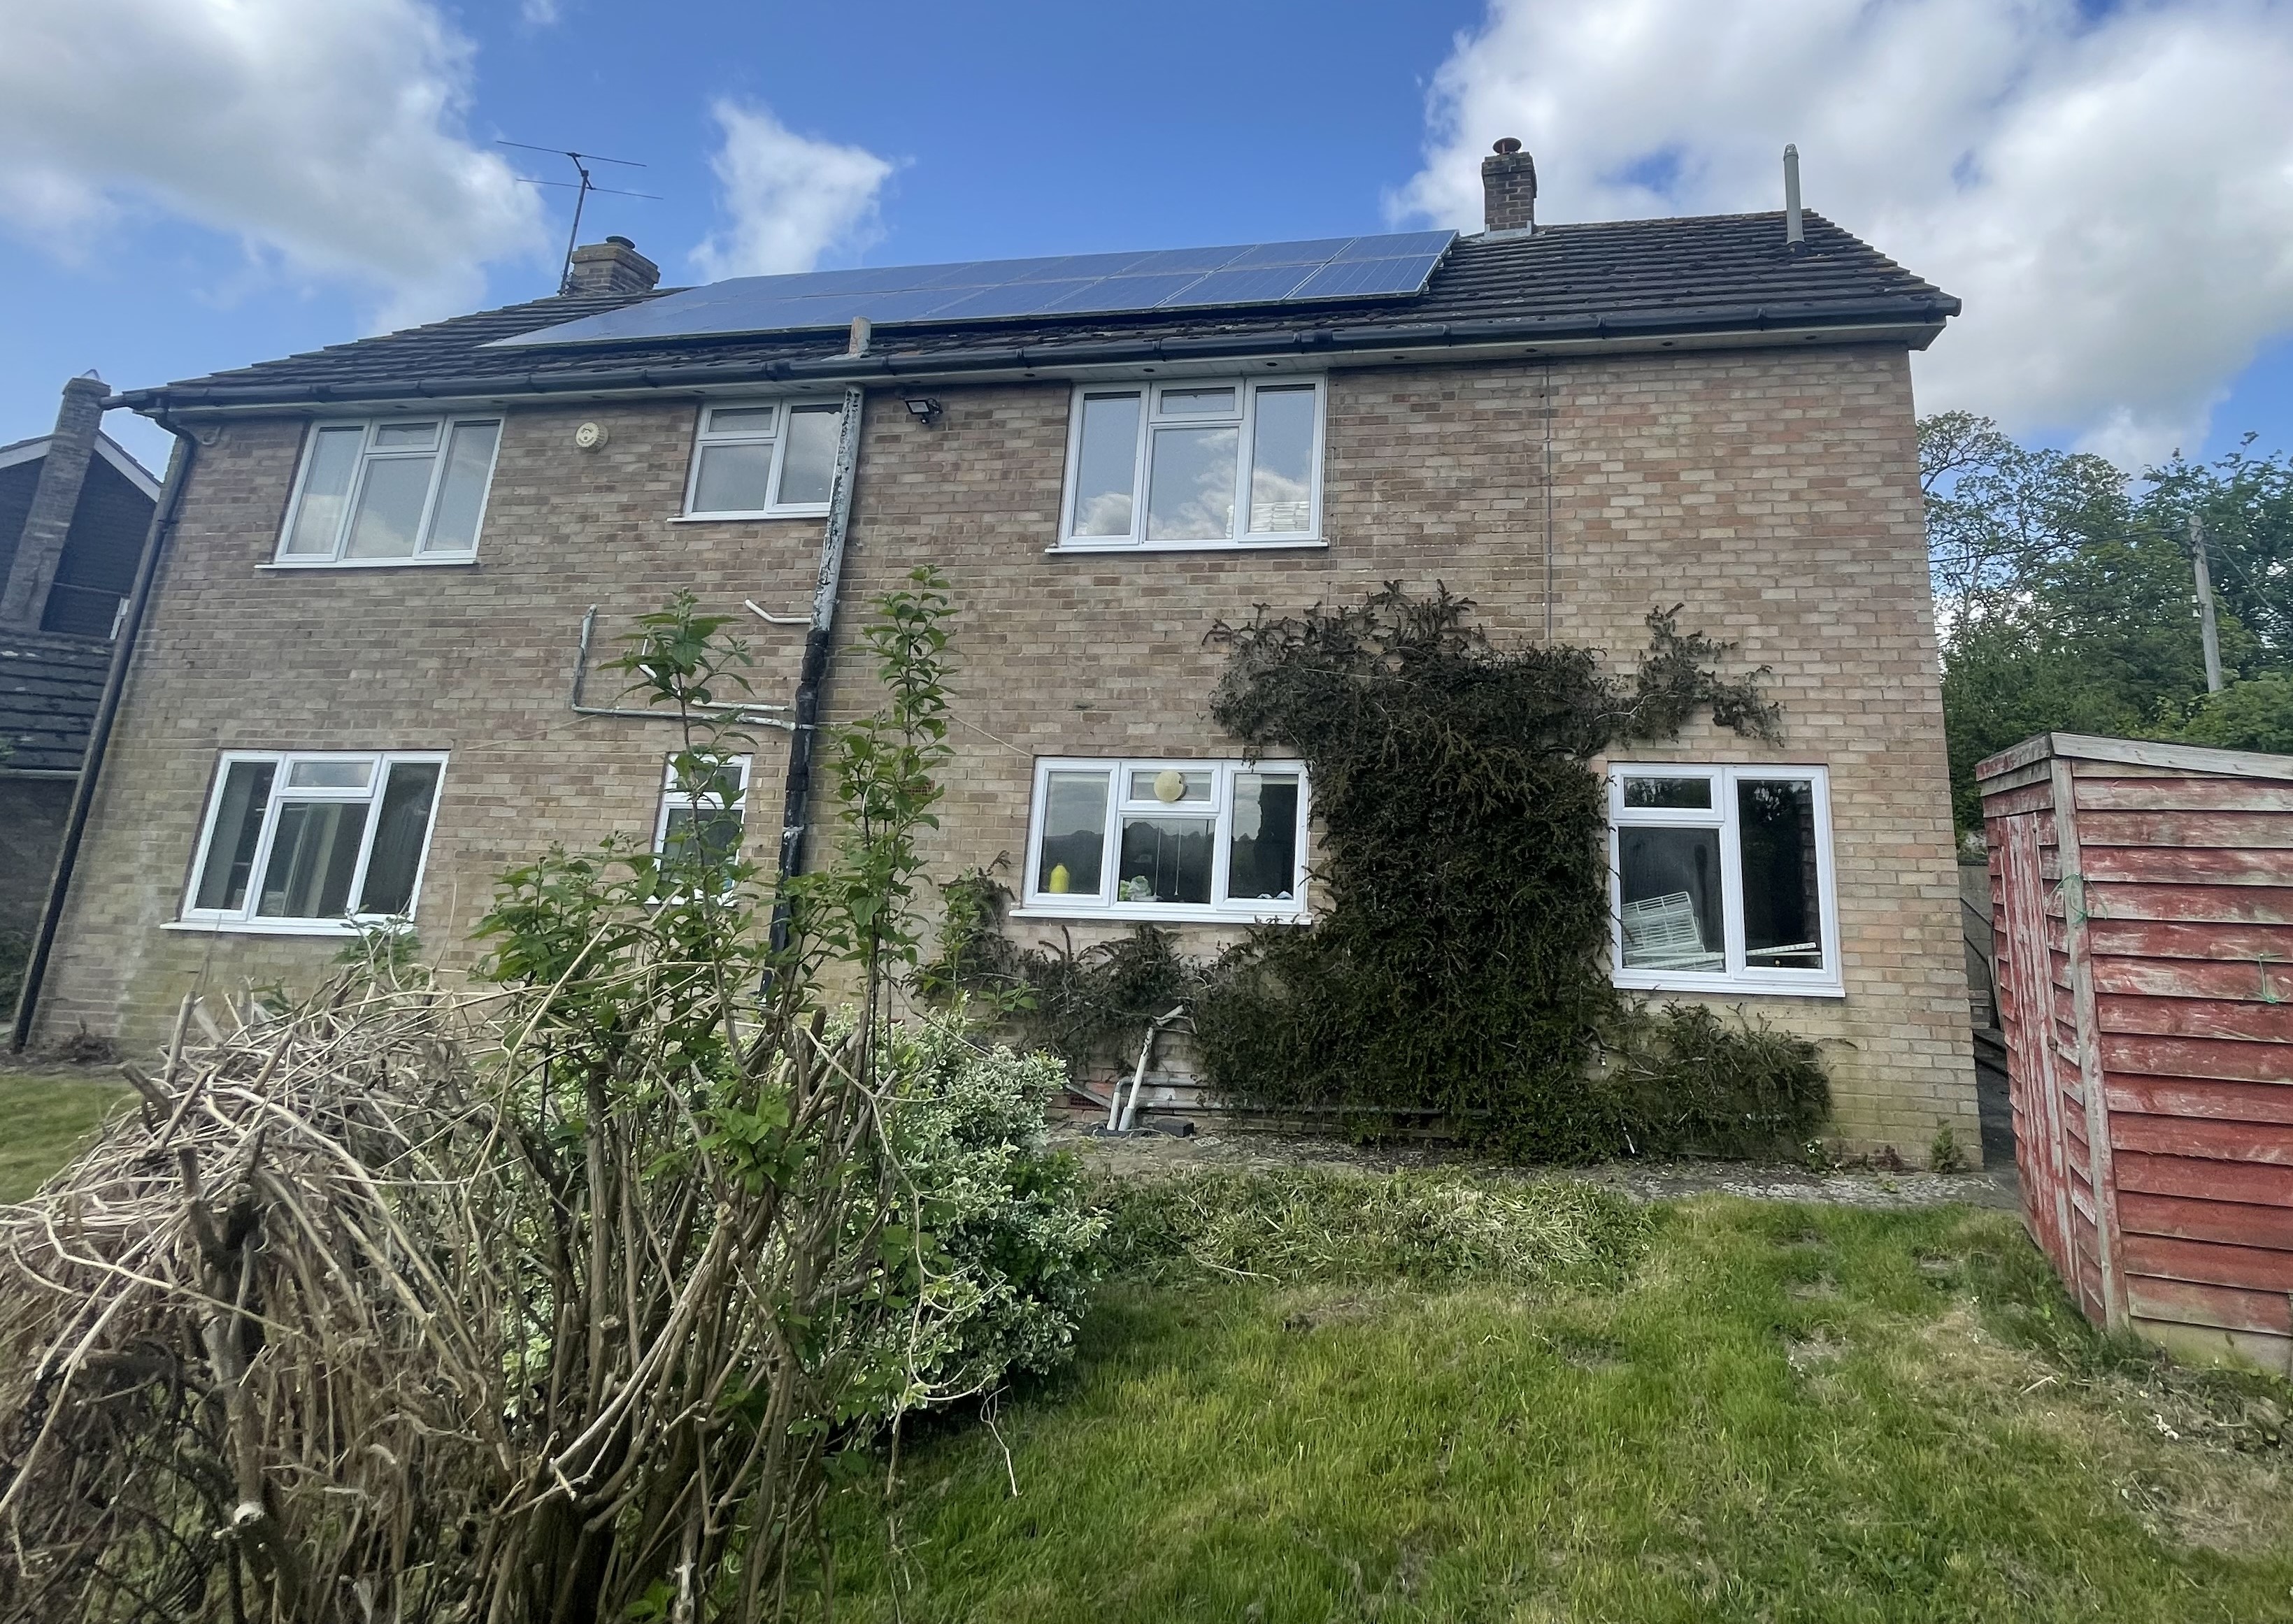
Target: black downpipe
(98,737)
(819,644)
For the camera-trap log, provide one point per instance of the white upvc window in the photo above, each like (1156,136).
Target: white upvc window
(1721,878)
(1167,840)
(1190,463)
(390,490)
(316,842)
(764,459)
(705,819)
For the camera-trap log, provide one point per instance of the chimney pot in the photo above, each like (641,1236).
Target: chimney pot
(1509,189)
(1507,145)
(614,266)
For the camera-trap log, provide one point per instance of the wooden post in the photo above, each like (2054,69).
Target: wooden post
(2208,627)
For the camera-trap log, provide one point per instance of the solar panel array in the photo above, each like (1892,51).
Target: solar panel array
(985,290)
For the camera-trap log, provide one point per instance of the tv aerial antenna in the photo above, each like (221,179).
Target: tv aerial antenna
(587,184)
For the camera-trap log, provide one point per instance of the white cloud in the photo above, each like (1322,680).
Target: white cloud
(537,13)
(325,138)
(787,199)
(2111,195)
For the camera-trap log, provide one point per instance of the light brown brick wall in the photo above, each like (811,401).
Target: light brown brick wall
(1773,492)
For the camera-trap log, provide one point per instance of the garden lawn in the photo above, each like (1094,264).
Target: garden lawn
(44,1119)
(1786,1413)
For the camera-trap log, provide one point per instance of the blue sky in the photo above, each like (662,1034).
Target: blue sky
(248,199)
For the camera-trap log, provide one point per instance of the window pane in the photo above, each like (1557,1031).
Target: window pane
(1282,462)
(1676,794)
(1197,403)
(330,775)
(1170,785)
(389,507)
(319,518)
(1783,902)
(809,472)
(694,836)
(399,833)
(1107,469)
(1671,900)
(742,420)
(734,479)
(1165,859)
(1074,835)
(405,436)
(312,857)
(1262,858)
(720,788)
(1190,493)
(238,827)
(469,459)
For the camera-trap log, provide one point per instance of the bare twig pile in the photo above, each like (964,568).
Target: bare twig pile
(331,1330)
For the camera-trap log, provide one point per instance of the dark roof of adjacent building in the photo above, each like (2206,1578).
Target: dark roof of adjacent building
(49,687)
(1635,279)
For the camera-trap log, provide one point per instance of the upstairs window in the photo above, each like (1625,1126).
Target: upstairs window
(1721,878)
(314,842)
(763,459)
(392,490)
(1199,462)
(1177,839)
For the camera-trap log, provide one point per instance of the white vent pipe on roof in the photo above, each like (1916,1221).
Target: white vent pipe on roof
(1794,238)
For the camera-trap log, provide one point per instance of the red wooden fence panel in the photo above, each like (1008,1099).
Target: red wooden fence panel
(2143,911)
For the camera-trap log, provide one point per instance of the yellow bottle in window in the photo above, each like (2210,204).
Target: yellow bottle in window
(1059,880)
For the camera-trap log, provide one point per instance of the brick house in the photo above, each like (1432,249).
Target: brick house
(355,688)
(75,508)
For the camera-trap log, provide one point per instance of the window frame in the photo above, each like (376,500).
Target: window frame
(672,799)
(1245,418)
(245,918)
(1105,904)
(1739,976)
(783,407)
(421,557)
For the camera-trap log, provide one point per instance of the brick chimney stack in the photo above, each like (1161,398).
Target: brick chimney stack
(40,548)
(1509,189)
(614,266)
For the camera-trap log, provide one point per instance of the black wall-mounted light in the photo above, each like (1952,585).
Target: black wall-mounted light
(924,409)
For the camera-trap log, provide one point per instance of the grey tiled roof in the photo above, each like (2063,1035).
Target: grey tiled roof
(1713,273)
(49,687)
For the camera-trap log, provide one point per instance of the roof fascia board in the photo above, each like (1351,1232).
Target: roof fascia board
(126,466)
(25,451)
(1451,342)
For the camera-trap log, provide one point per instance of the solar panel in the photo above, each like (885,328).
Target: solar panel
(982,290)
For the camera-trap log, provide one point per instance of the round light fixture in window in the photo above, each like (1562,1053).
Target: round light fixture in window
(1170,785)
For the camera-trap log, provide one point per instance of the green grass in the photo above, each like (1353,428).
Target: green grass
(44,1119)
(1787,1413)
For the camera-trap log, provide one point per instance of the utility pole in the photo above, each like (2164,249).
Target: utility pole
(2208,627)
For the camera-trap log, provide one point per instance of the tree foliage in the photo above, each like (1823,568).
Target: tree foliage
(2065,592)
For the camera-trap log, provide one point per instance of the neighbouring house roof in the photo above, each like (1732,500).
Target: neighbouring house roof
(49,684)
(1646,280)
(109,449)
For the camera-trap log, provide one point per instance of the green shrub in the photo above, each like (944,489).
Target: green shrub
(1317,1224)
(1015,1245)
(1685,1083)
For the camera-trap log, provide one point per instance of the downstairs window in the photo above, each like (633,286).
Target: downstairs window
(1721,878)
(313,841)
(1168,840)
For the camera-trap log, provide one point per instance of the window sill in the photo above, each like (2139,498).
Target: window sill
(1134,913)
(330,928)
(459,560)
(779,513)
(1305,543)
(1689,980)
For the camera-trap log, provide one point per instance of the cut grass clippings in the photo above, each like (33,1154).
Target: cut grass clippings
(1785,1412)
(44,1121)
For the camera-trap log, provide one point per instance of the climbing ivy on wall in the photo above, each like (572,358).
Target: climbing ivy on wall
(1455,965)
